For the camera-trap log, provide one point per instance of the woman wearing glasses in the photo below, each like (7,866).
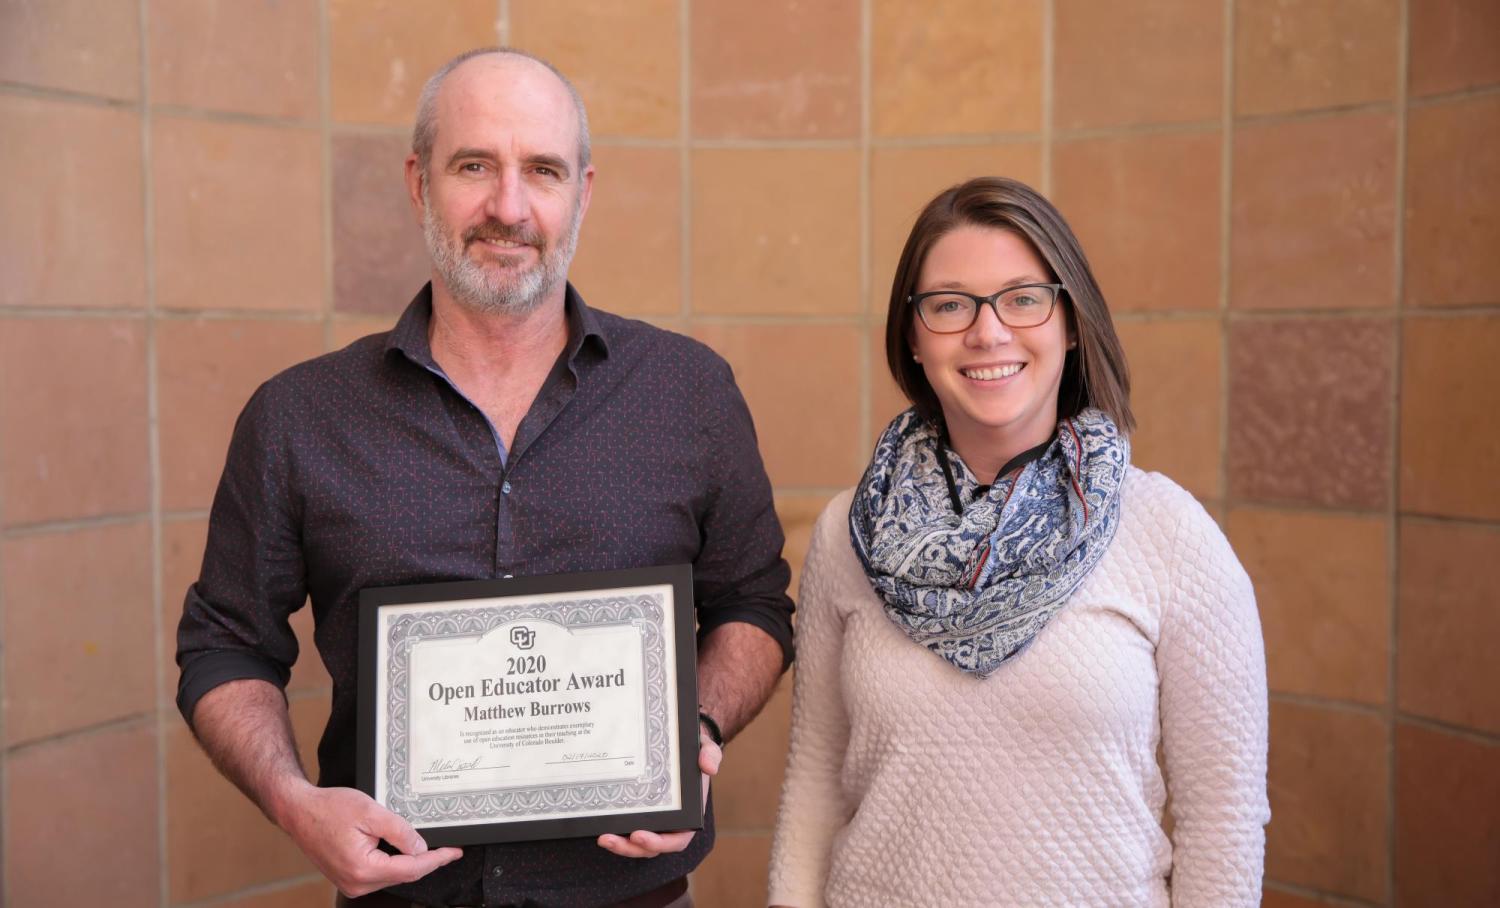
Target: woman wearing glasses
(1004,620)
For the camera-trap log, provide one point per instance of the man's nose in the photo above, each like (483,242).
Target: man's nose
(987,330)
(507,202)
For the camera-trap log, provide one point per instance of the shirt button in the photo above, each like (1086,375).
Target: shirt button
(505,487)
(497,872)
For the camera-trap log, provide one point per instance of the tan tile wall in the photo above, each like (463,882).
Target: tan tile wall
(1294,206)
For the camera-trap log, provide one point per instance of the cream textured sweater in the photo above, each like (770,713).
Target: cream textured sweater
(910,783)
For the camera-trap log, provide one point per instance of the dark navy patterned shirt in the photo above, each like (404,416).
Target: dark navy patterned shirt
(366,467)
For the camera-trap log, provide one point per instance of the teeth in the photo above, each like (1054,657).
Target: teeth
(1004,371)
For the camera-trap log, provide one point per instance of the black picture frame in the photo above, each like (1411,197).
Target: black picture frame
(682,708)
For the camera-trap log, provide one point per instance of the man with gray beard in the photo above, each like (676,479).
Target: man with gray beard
(502,428)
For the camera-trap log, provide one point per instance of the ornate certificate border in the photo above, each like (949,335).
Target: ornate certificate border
(662,794)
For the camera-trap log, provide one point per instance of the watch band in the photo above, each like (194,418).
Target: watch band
(713,727)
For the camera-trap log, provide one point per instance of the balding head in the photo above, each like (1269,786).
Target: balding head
(424,134)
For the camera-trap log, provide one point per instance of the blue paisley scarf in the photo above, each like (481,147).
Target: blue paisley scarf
(977,588)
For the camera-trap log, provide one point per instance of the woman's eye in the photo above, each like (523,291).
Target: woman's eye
(1024,302)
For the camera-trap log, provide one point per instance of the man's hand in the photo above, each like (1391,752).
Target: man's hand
(340,829)
(646,844)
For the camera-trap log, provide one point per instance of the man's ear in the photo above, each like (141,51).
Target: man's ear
(414,185)
(585,191)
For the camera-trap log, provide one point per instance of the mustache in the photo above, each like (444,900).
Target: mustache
(494,230)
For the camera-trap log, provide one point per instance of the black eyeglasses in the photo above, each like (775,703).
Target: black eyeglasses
(953,311)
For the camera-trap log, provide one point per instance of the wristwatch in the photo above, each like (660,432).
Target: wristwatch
(712,727)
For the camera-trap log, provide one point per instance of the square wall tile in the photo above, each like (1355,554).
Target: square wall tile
(297,895)
(1151,61)
(1323,585)
(775,69)
(72,232)
(1329,784)
(1450,441)
(73,417)
(239,215)
(746,795)
(1176,393)
(959,68)
(734,874)
(346,329)
(796,379)
(1146,209)
(254,58)
(182,543)
(1448,620)
(218,841)
(625,59)
(206,371)
(1452,221)
(630,248)
(764,244)
(1273,898)
(1310,411)
(96,666)
(89,46)
(1300,55)
(381,54)
(904,180)
(1314,214)
(1453,45)
(1447,820)
(379,258)
(88,807)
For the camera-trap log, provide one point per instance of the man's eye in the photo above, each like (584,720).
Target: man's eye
(472,167)
(548,172)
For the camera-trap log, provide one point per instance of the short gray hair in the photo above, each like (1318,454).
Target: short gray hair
(424,134)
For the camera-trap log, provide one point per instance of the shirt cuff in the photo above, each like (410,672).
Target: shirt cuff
(202,672)
(771,620)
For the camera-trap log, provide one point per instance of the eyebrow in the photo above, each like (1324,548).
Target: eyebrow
(1013,282)
(556,162)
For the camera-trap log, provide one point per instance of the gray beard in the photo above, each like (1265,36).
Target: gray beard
(489,292)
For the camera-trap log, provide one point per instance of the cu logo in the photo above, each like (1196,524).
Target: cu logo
(522,636)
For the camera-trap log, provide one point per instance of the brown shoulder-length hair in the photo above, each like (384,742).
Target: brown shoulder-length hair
(1094,374)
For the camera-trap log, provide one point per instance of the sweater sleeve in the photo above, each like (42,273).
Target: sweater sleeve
(813,807)
(1211,661)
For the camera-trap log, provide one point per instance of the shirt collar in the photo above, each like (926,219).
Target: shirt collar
(585,331)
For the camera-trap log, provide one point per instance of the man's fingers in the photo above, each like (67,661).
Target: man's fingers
(622,847)
(709,755)
(660,842)
(403,868)
(384,824)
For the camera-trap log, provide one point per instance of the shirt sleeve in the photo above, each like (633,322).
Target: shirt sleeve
(1212,665)
(813,807)
(740,574)
(235,617)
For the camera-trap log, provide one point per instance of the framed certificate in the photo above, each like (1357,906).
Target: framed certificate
(532,708)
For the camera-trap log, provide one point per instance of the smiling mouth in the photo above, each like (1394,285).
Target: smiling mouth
(993,373)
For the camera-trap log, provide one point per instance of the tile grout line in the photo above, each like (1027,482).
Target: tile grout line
(1049,90)
(146,717)
(255,889)
(1449,729)
(1393,532)
(325,143)
(685,164)
(866,205)
(1226,248)
(153,441)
